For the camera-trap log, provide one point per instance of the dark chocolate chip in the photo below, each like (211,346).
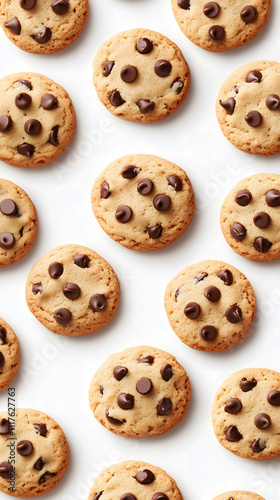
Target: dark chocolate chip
(211,9)
(145,186)
(120,372)
(234,314)
(123,213)
(7,241)
(243,198)
(155,232)
(39,464)
(248,14)
(129,73)
(2,360)
(212,293)
(184,4)
(105,190)
(208,333)
(238,231)
(98,302)
(262,220)
(177,86)
(4,426)
(27,4)
(253,118)
(5,123)
(159,495)
(175,182)
(146,359)
(5,470)
(262,245)
(8,207)
(24,448)
(130,171)
(163,68)
(23,101)
(128,496)
(145,106)
(81,260)
(274,398)
(226,276)
(26,149)
(216,33)
(26,84)
(144,46)
(236,89)
(14,26)
(262,421)
(41,428)
(32,127)
(53,137)
(145,476)
(126,401)
(162,202)
(272,198)
(200,277)
(233,406)
(37,288)
(228,105)
(97,495)
(113,421)
(192,310)
(257,447)
(101,389)
(3,335)
(60,7)
(164,407)
(273,102)
(44,476)
(166,372)
(49,101)
(233,434)
(62,316)
(144,386)
(42,37)
(247,385)
(107,68)
(254,76)
(116,98)
(72,291)
(55,270)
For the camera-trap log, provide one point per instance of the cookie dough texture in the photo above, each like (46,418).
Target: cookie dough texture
(126,81)
(223,26)
(73,291)
(242,108)
(242,214)
(40,29)
(140,479)
(207,295)
(41,453)
(238,495)
(246,413)
(140,392)
(138,182)
(25,143)
(9,354)
(18,223)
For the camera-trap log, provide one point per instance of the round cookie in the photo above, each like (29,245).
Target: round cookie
(248,108)
(141,75)
(250,218)
(43,27)
(143,202)
(18,223)
(246,414)
(37,120)
(222,25)
(238,495)
(131,480)
(73,291)
(210,305)
(140,392)
(34,453)
(9,355)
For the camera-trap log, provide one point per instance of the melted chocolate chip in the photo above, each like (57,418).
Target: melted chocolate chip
(211,9)
(228,105)
(159,495)
(49,102)
(233,434)
(5,470)
(62,316)
(128,496)
(5,123)
(262,245)
(238,231)
(253,118)
(162,202)
(146,359)
(27,4)
(72,291)
(208,333)
(53,137)
(3,335)
(163,68)
(97,495)
(113,421)
(234,314)
(2,360)
(26,149)
(81,260)
(8,207)
(274,398)
(248,14)
(41,428)
(98,302)
(14,26)
(272,198)
(4,427)
(44,476)
(37,288)
(144,386)
(243,198)
(105,190)
(192,310)
(262,220)
(184,4)
(166,372)
(175,182)
(129,73)
(116,98)
(155,232)
(23,101)
(226,276)
(60,7)
(144,46)
(233,406)
(55,270)
(262,421)
(254,76)
(273,102)
(120,372)
(123,213)
(247,385)
(216,33)
(212,293)
(39,464)
(145,106)
(145,476)
(107,68)
(257,446)
(200,277)
(42,37)
(164,407)
(7,241)
(145,186)
(24,448)
(130,171)
(33,127)
(126,401)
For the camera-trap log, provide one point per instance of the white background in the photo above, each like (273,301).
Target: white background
(55,372)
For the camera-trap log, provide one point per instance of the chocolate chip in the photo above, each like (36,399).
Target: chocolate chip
(60,7)
(23,101)
(274,398)
(41,428)
(243,198)
(24,448)
(177,86)
(145,476)
(37,288)
(98,302)
(192,310)
(253,118)
(14,26)
(5,470)
(144,46)
(248,14)
(145,106)
(129,73)
(238,231)
(145,186)
(7,241)
(27,4)
(4,426)
(97,495)
(146,359)
(105,190)
(44,476)
(32,127)
(233,434)
(164,407)
(159,495)
(53,138)
(233,406)
(211,9)
(81,260)
(162,202)
(49,101)
(25,83)
(2,360)
(247,385)
(116,98)
(273,102)
(39,464)
(55,270)
(107,68)
(216,33)
(126,401)
(234,314)
(262,245)
(8,207)
(3,335)
(200,277)
(166,372)
(42,37)
(272,198)
(212,293)
(226,276)
(262,220)
(26,149)
(113,421)
(175,182)
(101,389)
(228,105)
(184,4)
(163,68)
(236,89)
(5,123)
(257,447)
(62,316)
(120,372)
(72,291)
(123,213)
(130,171)
(128,496)
(254,76)
(144,386)
(208,333)
(155,232)
(262,421)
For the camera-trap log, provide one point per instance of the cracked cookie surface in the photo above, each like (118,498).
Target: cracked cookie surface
(9,354)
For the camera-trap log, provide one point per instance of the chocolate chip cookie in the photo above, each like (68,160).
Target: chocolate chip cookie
(18,223)
(73,291)
(238,495)
(37,120)
(141,75)
(9,355)
(246,414)
(143,202)
(132,480)
(140,392)
(250,218)
(34,453)
(43,27)
(222,25)
(210,305)
(248,108)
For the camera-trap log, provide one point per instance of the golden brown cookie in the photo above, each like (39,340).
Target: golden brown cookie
(9,355)
(238,495)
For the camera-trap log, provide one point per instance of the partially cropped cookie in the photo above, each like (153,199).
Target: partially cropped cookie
(43,27)
(222,25)
(18,223)
(238,495)
(9,355)
(246,414)
(37,120)
(141,75)
(134,480)
(210,305)
(143,202)
(73,291)
(248,108)
(140,392)
(34,453)
(250,217)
